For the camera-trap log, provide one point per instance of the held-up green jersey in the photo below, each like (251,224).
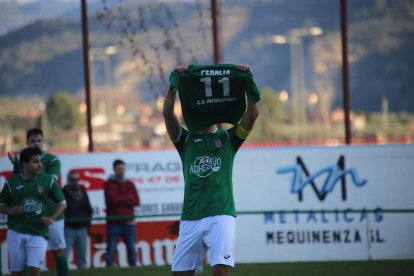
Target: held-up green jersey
(50,165)
(213,94)
(34,196)
(207,161)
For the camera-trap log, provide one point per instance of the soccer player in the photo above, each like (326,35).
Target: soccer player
(50,165)
(208,216)
(25,199)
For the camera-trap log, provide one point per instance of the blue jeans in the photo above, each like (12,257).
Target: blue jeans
(127,232)
(77,238)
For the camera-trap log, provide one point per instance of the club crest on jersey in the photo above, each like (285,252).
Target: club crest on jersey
(203,166)
(31,207)
(217,142)
(40,189)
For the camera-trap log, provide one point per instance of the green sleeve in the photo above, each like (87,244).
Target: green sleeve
(235,140)
(193,67)
(5,195)
(174,81)
(252,92)
(180,143)
(54,168)
(56,193)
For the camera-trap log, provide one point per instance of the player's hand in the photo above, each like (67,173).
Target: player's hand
(16,210)
(181,68)
(243,67)
(12,156)
(47,220)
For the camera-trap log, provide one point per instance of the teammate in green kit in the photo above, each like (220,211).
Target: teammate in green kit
(25,199)
(208,216)
(50,165)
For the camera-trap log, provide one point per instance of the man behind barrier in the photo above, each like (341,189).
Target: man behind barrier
(121,197)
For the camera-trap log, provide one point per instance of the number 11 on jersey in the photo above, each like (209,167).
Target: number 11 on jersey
(207,86)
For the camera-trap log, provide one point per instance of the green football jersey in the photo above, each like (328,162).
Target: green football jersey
(207,161)
(213,94)
(34,196)
(50,165)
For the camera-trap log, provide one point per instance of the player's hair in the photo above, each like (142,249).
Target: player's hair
(27,154)
(33,131)
(72,172)
(118,162)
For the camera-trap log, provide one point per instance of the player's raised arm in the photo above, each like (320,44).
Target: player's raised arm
(252,112)
(249,118)
(171,121)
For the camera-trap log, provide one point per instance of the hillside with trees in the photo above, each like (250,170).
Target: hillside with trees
(45,56)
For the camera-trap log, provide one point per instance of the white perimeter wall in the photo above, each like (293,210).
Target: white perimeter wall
(376,178)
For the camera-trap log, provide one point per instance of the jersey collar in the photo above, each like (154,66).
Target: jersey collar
(25,178)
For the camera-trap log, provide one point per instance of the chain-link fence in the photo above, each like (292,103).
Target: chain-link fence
(293,47)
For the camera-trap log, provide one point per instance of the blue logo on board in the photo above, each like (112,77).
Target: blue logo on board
(331,175)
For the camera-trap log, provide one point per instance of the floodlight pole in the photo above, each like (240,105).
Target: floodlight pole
(345,71)
(215,12)
(85,42)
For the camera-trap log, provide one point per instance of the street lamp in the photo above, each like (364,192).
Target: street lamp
(105,105)
(297,72)
(313,98)
(43,119)
(279,39)
(315,31)
(111,50)
(82,107)
(283,96)
(104,55)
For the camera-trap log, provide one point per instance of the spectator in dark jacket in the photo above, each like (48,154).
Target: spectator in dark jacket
(77,218)
(121,197)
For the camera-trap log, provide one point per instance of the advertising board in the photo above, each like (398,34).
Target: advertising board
(294,204)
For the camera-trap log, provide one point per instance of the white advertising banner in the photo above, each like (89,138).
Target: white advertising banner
(296,204)
(347,191)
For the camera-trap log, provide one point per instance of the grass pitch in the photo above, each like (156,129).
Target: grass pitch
(361,268)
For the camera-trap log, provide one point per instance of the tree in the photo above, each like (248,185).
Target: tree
(62,111)
(268,126)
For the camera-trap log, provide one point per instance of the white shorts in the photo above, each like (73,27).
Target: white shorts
(216,233)
(57,235)
(25,250)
